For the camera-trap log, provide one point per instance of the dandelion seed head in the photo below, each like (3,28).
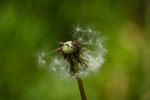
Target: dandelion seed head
(80,57)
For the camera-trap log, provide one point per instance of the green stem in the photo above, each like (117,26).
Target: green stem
(81,88)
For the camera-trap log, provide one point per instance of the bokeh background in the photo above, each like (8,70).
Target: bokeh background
(26,25)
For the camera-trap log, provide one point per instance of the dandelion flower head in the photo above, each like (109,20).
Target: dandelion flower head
(79,57)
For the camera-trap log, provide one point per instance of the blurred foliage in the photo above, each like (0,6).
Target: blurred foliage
(26,25)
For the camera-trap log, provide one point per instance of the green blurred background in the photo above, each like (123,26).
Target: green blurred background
(26,25)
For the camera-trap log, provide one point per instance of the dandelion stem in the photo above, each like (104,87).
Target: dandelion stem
(81,88)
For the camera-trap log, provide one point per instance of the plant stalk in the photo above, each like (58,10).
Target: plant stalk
(81,88)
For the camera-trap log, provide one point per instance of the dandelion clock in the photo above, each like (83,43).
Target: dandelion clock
(77,58)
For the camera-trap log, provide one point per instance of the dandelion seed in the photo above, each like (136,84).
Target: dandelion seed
(41,62)
(42,53)
(41,58)
(80,39)
(77,29)
(90,30)
(56,61)
(54,69)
